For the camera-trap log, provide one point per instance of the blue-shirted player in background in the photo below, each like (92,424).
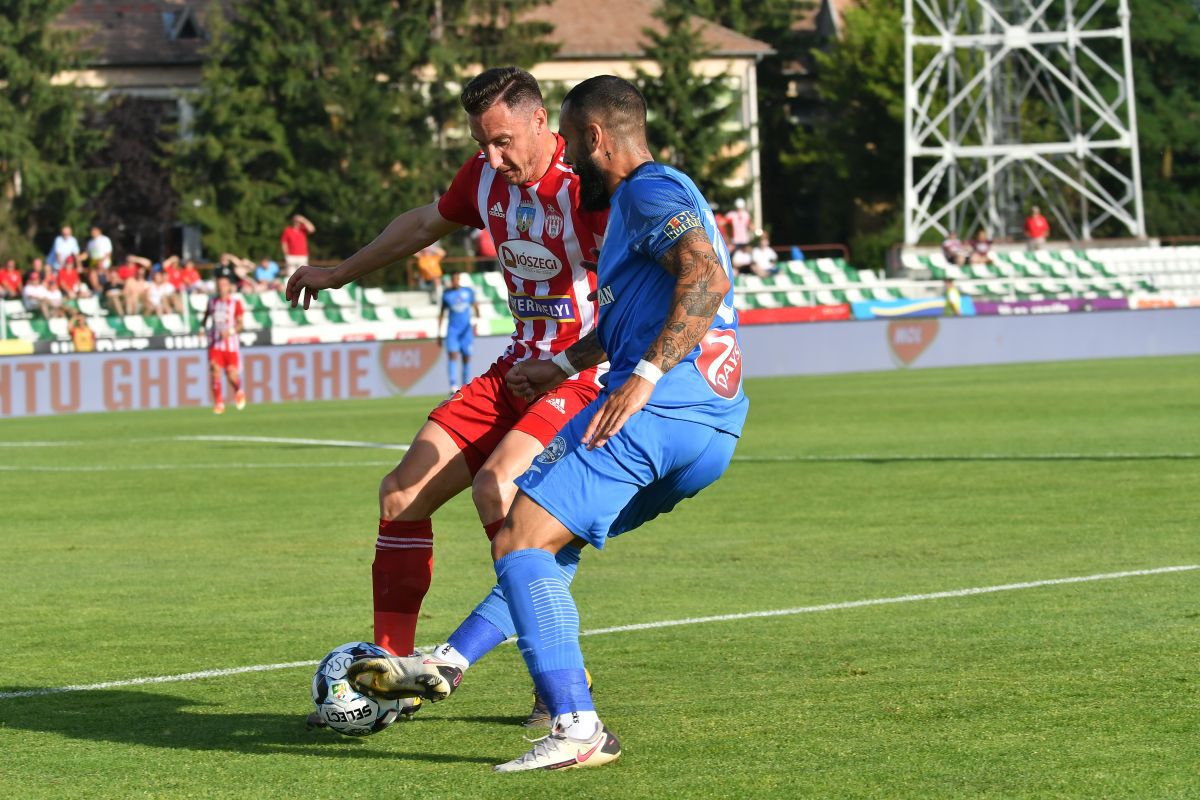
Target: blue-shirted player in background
(664,427)
(459,301)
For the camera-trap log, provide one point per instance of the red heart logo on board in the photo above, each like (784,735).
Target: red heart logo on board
(908,338)
(405,362)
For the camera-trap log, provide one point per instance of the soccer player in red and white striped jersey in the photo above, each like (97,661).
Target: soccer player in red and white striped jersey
(225,313)
(484,436)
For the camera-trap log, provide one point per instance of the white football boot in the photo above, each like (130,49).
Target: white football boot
(395,677)
(559,751)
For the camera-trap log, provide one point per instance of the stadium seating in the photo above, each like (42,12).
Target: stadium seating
(1161,275)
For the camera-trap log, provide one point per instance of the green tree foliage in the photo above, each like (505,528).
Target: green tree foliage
(689,114)
(138,205)
(851,170)
(1166,70)
(44,138)
(327,108)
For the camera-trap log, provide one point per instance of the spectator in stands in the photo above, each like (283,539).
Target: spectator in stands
(99,249)
(112,289)
(743,263)
(190,279)
(485,250)
(954,251)
(65,244)
(69,281)
(161,297)
(54,297)
(11,282)
(33,295)
(763,257)
(740,224)
(135,292)
(429,270)
(1037,228)
(81,335)
(266,276)
(240,271)
(981,248)
(953,298)
(294,240)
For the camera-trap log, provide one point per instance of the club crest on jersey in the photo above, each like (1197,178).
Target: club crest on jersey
(681,223)
(554,451)
(525,214)
(529,260)
(558,308)
(554,222)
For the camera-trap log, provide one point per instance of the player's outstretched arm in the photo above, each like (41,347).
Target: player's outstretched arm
(528,379)
(406,234)
(700,285)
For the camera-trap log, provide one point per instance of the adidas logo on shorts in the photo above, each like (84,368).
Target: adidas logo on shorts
(558,403)
(497,210)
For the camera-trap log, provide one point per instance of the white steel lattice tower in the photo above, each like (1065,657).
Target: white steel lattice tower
(1014,103)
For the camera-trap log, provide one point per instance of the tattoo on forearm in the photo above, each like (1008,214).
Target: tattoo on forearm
(700,286)
(587,352)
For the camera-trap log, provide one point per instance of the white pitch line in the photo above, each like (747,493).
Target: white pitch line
(186,467)
(971,457)
(38,444)
(284,440)
(642,626)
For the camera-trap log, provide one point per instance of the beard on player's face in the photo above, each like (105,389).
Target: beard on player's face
(593,192)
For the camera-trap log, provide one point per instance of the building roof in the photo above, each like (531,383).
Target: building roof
(131,32)
(162,32)
(617,31)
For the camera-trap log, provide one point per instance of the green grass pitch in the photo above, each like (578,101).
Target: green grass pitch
(130,552)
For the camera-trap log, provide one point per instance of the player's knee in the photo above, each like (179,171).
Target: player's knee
(489,488)
(394,497)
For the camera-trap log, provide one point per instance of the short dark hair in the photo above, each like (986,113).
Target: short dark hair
(613,100)
(511,85)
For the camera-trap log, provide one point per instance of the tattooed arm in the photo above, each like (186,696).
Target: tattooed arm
(700,286)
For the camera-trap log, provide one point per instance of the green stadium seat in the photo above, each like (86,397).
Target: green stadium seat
(137,326)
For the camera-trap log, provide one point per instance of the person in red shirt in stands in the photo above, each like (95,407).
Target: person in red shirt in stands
(10,281)
(295,243)
(68,280)
(1037,228)
(189,277)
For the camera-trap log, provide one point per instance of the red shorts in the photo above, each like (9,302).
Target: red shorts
(223,360)
(482,413)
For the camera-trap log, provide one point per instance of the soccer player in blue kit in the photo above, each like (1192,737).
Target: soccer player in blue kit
(459,301)
(663,428)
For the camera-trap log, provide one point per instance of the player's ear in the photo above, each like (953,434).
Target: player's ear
(594,135)
(540,119)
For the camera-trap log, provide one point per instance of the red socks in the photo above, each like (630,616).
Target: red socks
(401,574)
(492,528)
(218,395)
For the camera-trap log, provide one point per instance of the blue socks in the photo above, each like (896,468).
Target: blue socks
(547,623)
(466,371)
(491,623)
(450,365)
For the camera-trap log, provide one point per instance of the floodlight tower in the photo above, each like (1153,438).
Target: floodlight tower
(1014,103)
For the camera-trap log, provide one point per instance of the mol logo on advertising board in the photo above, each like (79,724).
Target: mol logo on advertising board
(405,363)
(911,337)
(529,260)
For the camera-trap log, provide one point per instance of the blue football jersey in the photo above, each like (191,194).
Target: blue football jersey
(457,303)
(651,209)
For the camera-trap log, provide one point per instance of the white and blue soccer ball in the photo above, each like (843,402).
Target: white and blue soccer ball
(342,707)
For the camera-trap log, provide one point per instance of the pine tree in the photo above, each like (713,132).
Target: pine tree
(336,109)
(44,137)
(689,114)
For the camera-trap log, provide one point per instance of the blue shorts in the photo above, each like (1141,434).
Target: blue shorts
(645,470)
(460,341)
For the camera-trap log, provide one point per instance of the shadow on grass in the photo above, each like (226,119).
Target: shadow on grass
(160,720)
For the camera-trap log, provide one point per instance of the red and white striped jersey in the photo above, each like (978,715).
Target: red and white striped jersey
(542,237)
(224,314)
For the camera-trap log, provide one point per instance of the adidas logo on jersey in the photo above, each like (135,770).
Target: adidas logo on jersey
(558,403)
(497,210)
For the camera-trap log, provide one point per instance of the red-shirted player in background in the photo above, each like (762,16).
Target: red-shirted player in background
(484,436)
(225,312)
